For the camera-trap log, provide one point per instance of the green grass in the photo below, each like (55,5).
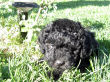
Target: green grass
(17,61)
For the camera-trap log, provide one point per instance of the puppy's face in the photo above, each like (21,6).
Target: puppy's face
(58,58)
(59,54)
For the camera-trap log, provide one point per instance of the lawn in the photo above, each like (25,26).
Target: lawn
(19,61)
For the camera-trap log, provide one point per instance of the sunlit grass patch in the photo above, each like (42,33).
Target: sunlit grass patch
(19,61)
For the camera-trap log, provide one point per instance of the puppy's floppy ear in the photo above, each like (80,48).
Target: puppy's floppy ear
(41,42)
(95,44)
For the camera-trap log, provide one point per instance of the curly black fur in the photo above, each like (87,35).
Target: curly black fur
(64,43)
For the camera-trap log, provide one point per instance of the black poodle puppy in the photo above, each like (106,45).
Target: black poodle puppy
(65,43)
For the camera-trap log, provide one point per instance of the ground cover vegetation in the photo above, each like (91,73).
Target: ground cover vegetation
(19,61)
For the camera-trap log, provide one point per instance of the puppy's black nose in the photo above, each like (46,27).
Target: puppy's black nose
(59,63)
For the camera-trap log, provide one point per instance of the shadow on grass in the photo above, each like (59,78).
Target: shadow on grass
(104,51)
(74,4)
(93,24)
(5,12)
(105,44)
(101,60)
(5,72)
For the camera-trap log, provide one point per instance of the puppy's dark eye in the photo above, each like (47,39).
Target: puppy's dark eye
(50,41)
